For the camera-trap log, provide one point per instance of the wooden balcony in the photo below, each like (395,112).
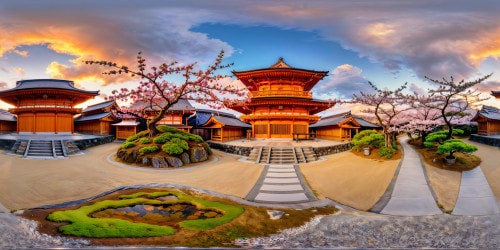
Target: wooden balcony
(281,93)
(278,116)
(68,109)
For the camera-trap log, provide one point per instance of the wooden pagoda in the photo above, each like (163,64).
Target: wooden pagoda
(45,105)
(281,103)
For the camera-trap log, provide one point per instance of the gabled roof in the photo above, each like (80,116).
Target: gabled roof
(366,124)
(94,117)
(333,120)
(181,105)
(101,105)
(6,116)
(337,119)
(202,116)
(126,123)
(496,93)
(47,84)
(488,112)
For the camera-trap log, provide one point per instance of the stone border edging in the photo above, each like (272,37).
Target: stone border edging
(256,187)
(148,169)
(305,205)
(307,190)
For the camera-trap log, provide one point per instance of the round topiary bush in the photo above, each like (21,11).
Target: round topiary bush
(175,146)
(367,138)
(144,140)
(149,149)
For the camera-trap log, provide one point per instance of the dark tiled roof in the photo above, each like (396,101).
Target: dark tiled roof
(203,115)
(6,116)
(331,120)
(490,112)
(366,124)
(338,118)
(182,104)
(47,84)
(97,106)
(92,117)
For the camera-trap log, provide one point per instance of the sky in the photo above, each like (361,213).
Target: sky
(385,42)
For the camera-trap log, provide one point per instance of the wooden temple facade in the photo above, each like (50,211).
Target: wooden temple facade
(97,119)
(342,127)
(177,115)
(281,103)
(217,126)
(488,121)
(45,105)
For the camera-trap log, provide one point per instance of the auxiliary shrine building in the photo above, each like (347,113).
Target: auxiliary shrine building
(45,105)
(282,105)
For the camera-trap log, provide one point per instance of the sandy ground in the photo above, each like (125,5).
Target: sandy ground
(446,185)
(28,183)
(350,179)
(490,164)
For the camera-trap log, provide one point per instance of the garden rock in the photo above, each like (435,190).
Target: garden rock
(159,162)
(174,162)
(146,161)
(275,214)
(185,158)
(198,154)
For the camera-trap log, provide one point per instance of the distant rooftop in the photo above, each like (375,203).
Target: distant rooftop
(47,84)
(6,116)
(489,112)
(101,105)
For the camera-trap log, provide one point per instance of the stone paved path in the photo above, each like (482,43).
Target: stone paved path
(281,184)
(475,196)
(411,195)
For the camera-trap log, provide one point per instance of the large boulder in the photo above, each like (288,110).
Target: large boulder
(198,154)
(127,156)
(185,158)
(159,162)
(146,161)
(174,161)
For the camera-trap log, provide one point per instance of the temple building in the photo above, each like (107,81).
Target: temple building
(7,122)
(127,127)
(177,115)
(488,121)
(45,105)
(496,93)
(217,126)
(97,119)
(281,103)
(342,126)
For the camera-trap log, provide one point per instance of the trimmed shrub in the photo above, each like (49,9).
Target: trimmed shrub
(454,145)
(128,145)
(386,152)
(175,146)
(149,149)
(438,137)
(367,138)
(179,133)
(134,138)
(165,128)
(163,138)
(144,140)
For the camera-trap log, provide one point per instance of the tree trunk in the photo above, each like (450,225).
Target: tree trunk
(424,136)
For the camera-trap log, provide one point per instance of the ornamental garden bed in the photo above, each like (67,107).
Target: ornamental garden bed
(464,161)
(172,148)
(165,217)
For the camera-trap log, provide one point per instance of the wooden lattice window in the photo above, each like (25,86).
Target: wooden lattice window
(261,129)
(300,129)
(280,129)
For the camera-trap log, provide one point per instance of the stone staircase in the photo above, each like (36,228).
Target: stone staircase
(282,155)
(40,148)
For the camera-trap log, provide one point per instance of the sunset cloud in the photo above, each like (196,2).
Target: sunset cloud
(342,82)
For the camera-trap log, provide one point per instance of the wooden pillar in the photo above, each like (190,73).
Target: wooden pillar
(268,129)
(33,126)
(55,123)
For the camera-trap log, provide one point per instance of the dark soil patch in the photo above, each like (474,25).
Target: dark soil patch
(464,161)
(254,222)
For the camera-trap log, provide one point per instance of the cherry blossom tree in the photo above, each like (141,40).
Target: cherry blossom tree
(452,99)
(385,105)
(156,92)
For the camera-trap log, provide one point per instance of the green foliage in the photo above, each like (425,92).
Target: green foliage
(173,132)
(387,152)
(134,138)
(468,130)
(82,224)
(438,137)
(163,138)
(165,128)
(144,140)
(454,145)
(149,149)
(367,138)
(128,145)
(175,146)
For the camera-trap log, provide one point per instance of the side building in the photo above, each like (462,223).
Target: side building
(488,121)
(97,119)
(217,126)
(45,105)
(7,122)
(342,126)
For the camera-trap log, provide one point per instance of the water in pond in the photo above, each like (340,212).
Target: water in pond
(168,214)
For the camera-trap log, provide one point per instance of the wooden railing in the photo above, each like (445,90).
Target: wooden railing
(303,136)
(304,94)
(283,115)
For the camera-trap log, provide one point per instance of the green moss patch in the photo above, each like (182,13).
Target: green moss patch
(83,224)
